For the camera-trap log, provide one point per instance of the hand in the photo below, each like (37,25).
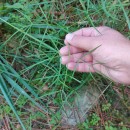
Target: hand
(99,49)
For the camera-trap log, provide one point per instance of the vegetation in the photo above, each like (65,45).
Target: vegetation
(34,86)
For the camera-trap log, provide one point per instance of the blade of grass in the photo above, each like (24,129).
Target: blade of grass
(125,14)
(45,45)
(18,77)
(20,90)
(2,87)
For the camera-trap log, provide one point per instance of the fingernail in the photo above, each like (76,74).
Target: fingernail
(69,37)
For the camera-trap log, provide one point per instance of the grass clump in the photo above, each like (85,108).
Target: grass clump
(33,83)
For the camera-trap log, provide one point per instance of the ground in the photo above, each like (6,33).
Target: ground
(34,86)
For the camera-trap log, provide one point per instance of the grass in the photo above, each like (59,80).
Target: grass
(34,85)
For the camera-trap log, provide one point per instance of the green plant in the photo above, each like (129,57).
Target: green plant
(31,34)
(105,107)
(110,128)
(94,119)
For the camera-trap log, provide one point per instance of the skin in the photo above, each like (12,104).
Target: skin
(101,49)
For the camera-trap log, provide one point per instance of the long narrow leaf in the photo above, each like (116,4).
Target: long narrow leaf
(20,90)
(18,77)
(6,96)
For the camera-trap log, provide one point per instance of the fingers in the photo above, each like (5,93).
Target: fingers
(82,42)
(87,32)
(80,67)
(90,31)
(85,38)
(67,50)
(79,57)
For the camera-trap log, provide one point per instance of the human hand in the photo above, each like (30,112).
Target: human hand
(99,49)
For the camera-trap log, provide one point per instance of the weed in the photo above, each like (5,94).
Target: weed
(106,107)
(34,86)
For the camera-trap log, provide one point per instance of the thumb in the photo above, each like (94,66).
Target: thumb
(83,42)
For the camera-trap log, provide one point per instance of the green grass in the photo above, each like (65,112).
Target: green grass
(34,86)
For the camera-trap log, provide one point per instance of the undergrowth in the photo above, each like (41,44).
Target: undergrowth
(34,86)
